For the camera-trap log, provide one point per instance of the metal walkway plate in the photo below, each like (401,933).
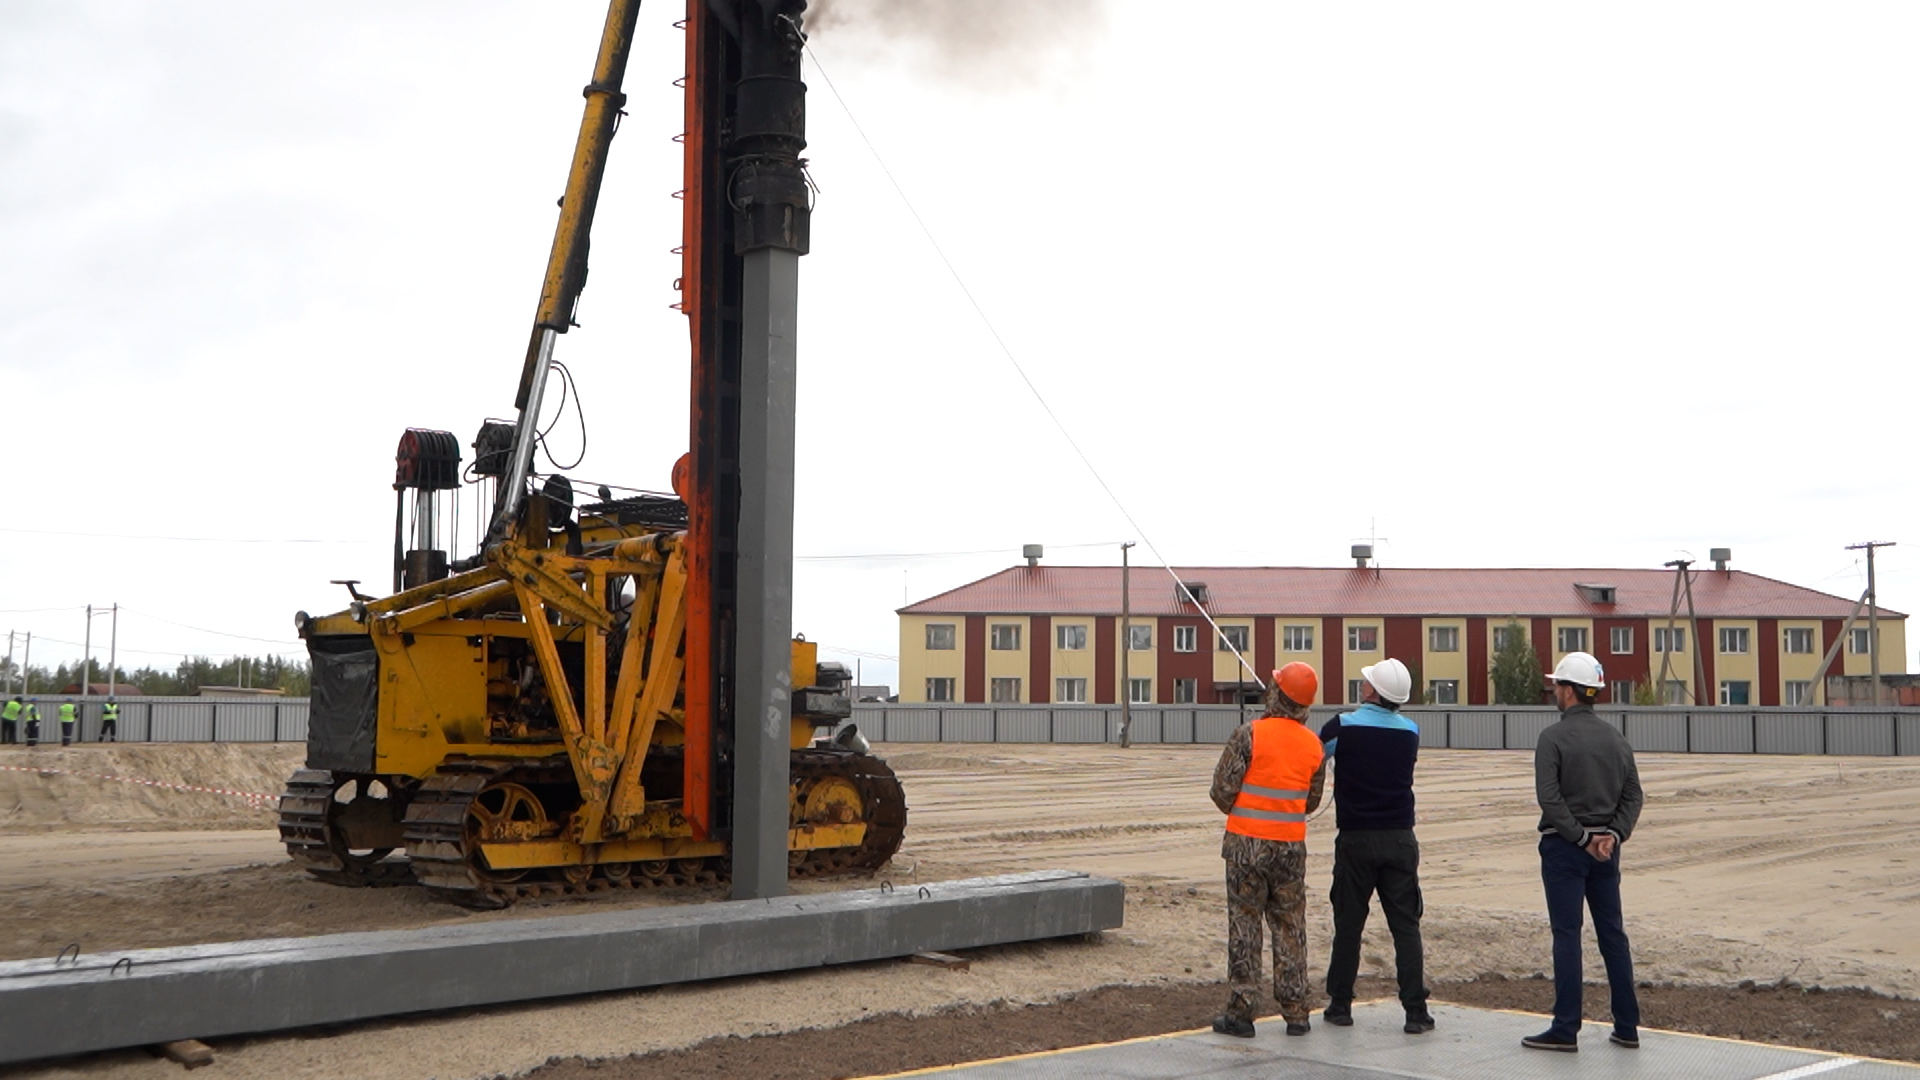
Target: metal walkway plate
(1470,1044)
(109,1000)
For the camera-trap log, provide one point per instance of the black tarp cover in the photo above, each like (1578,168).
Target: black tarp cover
(346,689)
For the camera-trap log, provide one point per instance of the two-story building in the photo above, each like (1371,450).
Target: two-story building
(1053,634)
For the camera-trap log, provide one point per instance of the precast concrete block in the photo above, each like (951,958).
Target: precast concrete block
(50,1008)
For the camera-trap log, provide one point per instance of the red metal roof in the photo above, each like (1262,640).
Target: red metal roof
(1350,591)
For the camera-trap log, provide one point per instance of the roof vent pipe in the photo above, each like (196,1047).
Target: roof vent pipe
(1361,553)
(1721,557)
(1032,553)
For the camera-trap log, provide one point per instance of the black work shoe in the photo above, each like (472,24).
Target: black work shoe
(1628,1039)
(1339,1015)
(1547,1040)
(1418,1023)
(1300,1028)
(1234,1026)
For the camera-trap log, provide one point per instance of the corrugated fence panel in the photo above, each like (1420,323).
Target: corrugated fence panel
(1176,725)
(1214,727)
(966,725)
(1149,726)
(187,720)
(1723,733)
(1079,725)
(1478,731)
(1025,725)
(1909,735)
(1788,733)
(1434,729)
(1652,732)
(1869,733)
(913,725)
(1523,729)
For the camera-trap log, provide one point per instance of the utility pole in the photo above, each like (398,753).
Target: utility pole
(1679,566)
(113,651)
(1873,614)
(1126,646)
(9,686)
(1693,627)
(86,656)
(26,666)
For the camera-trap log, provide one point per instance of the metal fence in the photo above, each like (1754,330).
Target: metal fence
(183,719)
(1852,731)
(1861,731)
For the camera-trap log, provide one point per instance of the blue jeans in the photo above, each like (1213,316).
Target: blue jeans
(1572,876)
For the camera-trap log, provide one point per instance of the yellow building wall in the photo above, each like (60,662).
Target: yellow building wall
(1893,649)
(1140,663)
(1313,657)
(1495,623)
(1680,663)
(1737,667)
(918,663)
(1010,663)
(1801,667)
(1443,665)
(1354,661)
(1556,655)
(1225,667)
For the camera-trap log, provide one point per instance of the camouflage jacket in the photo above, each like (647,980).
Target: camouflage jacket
(1228,774)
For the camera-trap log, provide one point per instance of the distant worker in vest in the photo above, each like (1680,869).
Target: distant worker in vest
(69,713)
(1373,750)
(1589,791)
(1268,780)
(110,720)
(30,720)
(10,719)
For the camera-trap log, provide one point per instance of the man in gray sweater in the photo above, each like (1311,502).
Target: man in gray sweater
(1589,792)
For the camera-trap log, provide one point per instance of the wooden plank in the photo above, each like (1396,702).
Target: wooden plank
(942,960)
(189,1052)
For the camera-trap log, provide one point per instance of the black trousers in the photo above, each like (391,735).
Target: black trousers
(1387,862)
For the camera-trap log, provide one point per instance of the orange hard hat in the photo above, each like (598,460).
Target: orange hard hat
(1298,681)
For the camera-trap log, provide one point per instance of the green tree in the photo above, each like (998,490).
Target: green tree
(1516,669)
(1645,693)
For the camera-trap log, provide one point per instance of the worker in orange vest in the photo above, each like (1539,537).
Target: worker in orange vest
(1269,779)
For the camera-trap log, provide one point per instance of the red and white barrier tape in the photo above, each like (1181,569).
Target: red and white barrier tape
(254,799)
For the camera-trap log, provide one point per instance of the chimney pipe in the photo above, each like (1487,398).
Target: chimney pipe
(1721,557)
(1032,553)
(1361,553)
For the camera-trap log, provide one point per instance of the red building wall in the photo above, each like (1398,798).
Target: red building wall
(976,680)
(1769,646)
(1477,661)
(1403,644)
(1104,660)
(1040,660)
(1263,648)
(1632,666)
(1196,665)
(1709,690)
(1333,670)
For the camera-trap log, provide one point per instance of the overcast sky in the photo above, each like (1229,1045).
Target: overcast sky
(1502,284)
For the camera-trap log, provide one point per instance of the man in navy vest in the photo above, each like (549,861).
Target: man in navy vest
(1373,750)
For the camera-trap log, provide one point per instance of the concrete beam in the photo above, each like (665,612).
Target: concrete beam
(105,1001)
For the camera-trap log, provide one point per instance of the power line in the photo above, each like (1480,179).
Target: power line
(888,556)
(216,633)
(189,539)
(1007,351)
(858,652)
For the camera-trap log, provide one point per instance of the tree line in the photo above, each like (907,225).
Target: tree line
(184,680)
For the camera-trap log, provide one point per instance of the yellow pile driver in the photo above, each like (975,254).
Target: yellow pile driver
(594,698)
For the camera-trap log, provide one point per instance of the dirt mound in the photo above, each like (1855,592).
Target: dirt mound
(143,785)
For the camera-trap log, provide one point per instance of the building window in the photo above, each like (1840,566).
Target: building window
(1443,639)
(1296,639)
(1139,637)
(1501,634)
(1676,692)
(1669,639)
(1733,640)
(1799,692)
(1857,643)
(1735,692)
(940,635)
(1006,637)
(1236,636)
(1186,691)
(1006,691)
(1140,691)
(1070,691)
(1622,640)
(1444,691)
(940,689)
(1573,639)
(1799,639)
(1363,639)
(1621,691)
(1355,687)
(1070,637)
(1183,639)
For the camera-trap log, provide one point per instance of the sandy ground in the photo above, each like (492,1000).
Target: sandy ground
(1744,868)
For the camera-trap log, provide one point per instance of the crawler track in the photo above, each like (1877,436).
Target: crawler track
(316,844)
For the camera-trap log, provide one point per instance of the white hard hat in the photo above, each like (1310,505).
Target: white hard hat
(1391,679)
(1580,669)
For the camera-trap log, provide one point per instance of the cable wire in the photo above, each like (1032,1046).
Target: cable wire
(1007,351)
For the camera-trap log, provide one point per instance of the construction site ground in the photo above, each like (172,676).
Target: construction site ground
(1756,890)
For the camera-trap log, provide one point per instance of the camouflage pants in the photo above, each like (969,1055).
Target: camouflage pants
(1266,879)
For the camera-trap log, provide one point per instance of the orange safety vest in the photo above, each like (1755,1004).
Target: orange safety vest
(1273,795)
